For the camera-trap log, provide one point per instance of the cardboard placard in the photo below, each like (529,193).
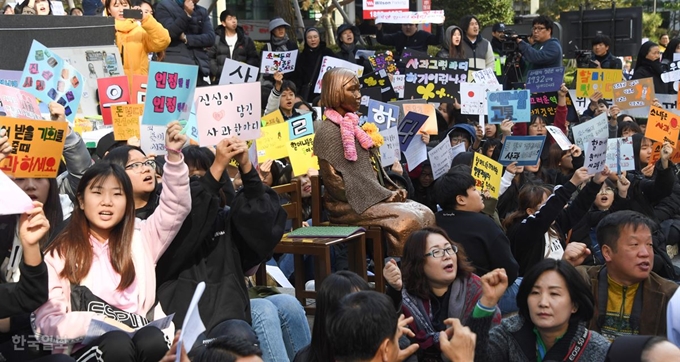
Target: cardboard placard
(473,97)
(487,173)
(36,147)
(525,150)
(170,93)
(234,72)
(16,103)
(126,121)
(594,128)
(434,79)
(596,155)
(113,91)
(329,62)
(228,110)
(283,62)
(513,104)
(545,80)
(662,125)
(590,80)
(634,93)
(389,151)
(382,114)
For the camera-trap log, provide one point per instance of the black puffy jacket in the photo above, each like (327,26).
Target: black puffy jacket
(244,51)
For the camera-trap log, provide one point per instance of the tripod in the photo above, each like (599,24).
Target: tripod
(512,72)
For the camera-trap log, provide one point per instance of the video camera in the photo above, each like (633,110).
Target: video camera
(583,58)
(510,41)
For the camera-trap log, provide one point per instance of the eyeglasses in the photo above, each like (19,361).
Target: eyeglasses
(137,167)
(538,28)
(457,140)
(439,253)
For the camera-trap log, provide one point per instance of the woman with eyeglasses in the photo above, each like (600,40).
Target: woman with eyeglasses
(438,283)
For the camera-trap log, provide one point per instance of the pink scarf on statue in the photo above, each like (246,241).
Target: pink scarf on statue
(349,129)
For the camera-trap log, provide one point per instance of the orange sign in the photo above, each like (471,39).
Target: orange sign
(36,147)
(137,88)
(662,125)
(430,125)
(126,121)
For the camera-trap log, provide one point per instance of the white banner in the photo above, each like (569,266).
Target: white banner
(330,63)
(411,17)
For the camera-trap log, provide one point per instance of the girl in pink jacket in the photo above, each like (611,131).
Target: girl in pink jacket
(101,266)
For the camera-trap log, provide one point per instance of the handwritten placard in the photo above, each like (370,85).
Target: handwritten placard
(596,155)
(36,147)
(272,142)
(662,126)
(389,151)
(234,72)
(560,138)
(620,155)
(228,110)
(383,61)
(398,81)
(590,81)
(283,62)
(440,159)
(434,79)
(487,174)
(382,114)
(382,80)
(595,128)
(656,153)
(485,76)
(525,150)
(275,117)
(300,126)
(113,91)
(545,105)
(545,80)
(473,97)
(512,104)
(329,62)
(49,78)
(430,127)
(126,121)
(301,154)
(409,127)
(170,93)
(673,73)
(411,17)
(634,93)
(152,139)
(16,103)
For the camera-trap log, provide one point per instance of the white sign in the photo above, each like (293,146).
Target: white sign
(152,139)
(398,81)
(411,17)
(373,7)
(559,137)
(596,155)
(389,151)
(235,72)
(329,62)
(595,128)
(192,327)
(625,154)
(485,76)
(473,97)
(416,153)
(440,159)
(283,62)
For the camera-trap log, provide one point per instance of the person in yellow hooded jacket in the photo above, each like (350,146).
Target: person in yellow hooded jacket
(135,39)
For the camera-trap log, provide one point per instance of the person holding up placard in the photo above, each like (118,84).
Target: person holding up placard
(231,42)
(136,39)
(649,66)
(409,37)
(282,97)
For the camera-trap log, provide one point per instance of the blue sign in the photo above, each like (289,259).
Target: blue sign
(514,105)
(300,126)
(525,150)
(545,80)
(170,93)
(383,115)
(409,127)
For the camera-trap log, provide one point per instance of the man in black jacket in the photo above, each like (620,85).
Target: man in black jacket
(602,57)
(409,37)
(231,42)
(190,33)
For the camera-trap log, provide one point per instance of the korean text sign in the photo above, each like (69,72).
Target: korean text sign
(434,79)
(126,121)
(170,93)
(329,62)
(113,91)
(487,174)
(662,125)
(594,128)
(18,104)
(512,104)
(36,147)
(234,72)
(49,78)
(525,150)
(382,114)
(283,62)
(545,80)
(228,110)
(589,81)
(409,127)
(634,93)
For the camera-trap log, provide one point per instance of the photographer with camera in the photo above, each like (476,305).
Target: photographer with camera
(546,52)
(601,57)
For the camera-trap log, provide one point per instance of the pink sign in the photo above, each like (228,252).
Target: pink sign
(16,103)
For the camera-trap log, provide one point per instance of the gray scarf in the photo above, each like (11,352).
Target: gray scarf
(350,49)
(279,44)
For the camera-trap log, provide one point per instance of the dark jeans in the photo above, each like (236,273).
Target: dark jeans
(231,327)
(147,345)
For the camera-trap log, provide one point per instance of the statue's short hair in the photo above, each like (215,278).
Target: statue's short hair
(332,84)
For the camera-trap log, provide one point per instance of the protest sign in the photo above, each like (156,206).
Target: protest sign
(408,128)
(596,155)
(430,127)
(283,62)
(16,103)
(589,81)
(170,93)
(383,61)
(525,150)
(634,93)
(656,153)
(673,73)
(389,151)
(382,114)
(485,76)
(49,78)
(275,117)
(560,138)
(14,199)
(126,121)
(10,78)
(434,79)
(662,125)
(473,97)
(398,81)
(152,139)
(372,8)
(545,80)
(440,159)
(545,105)
(594,128)
(191,128)
(411,53)
(138,86)
(300,126)
(234,72)
(301,154)
(416,152)
(272,142)
(363,53)
(620,155)
(228,110)
(113,91)
(411,17)
(513,105)
(36,147)
(329,62)
(93,63)
(367,93)
(487,174)
(379,79)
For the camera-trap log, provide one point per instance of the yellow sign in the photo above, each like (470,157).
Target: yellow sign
(590,81)
(272,118)
(272,142)
(126,121)
(81,125)
(36,147)
(301,154)
(487,172)
(662,125)
(430,125)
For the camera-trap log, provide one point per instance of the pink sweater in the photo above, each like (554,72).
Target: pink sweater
(151,237)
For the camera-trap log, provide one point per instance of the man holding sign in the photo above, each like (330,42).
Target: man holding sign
(409,37)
